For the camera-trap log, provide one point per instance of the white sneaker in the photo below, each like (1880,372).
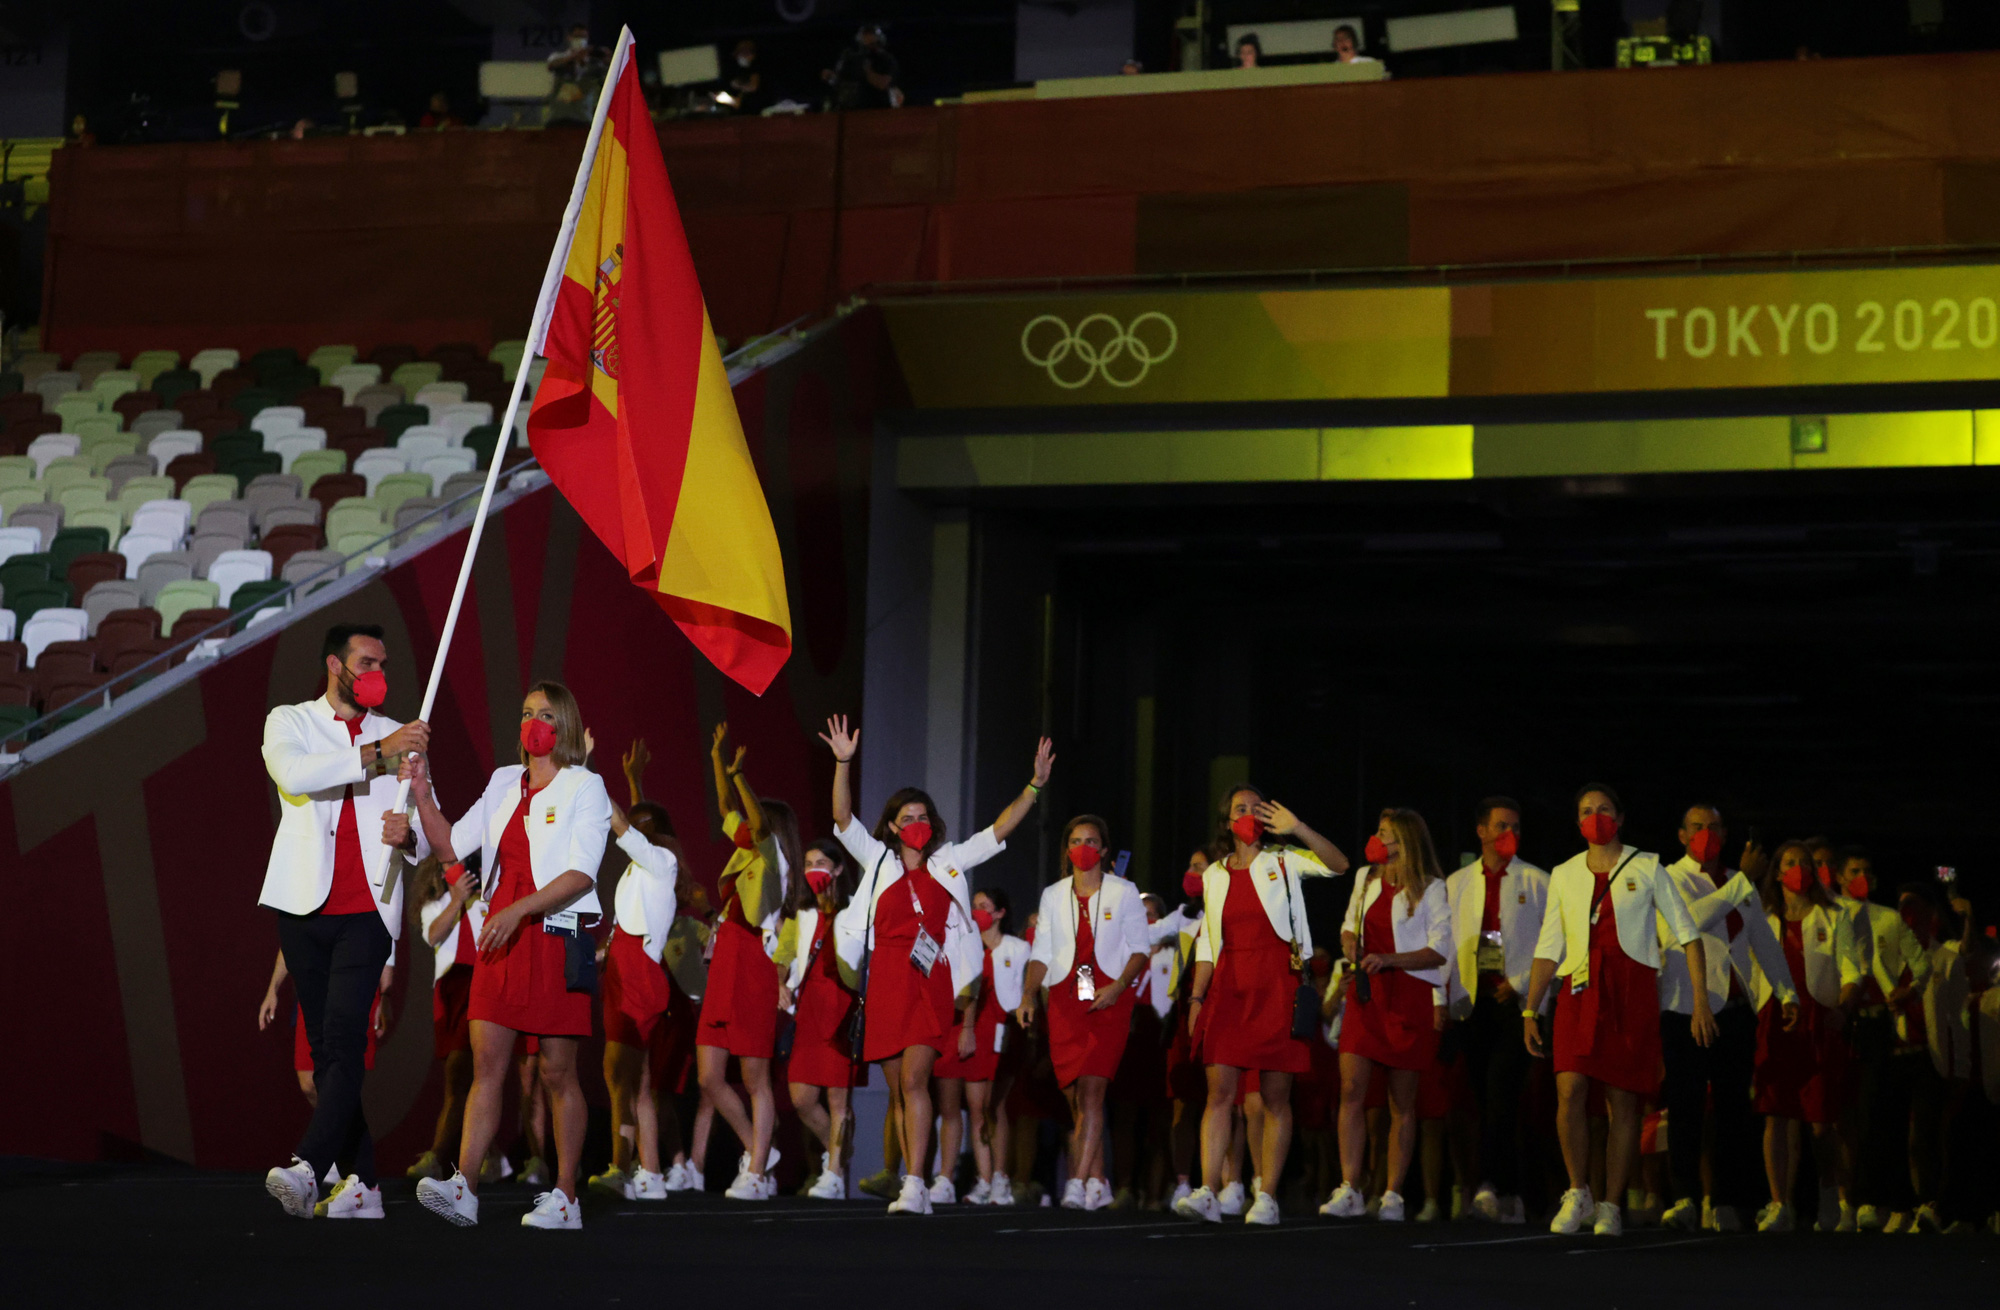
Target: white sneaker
(1345,1203)
(1264,1212)
(1726,1219)
(944,1191)
(449,1200)
(1684,1214)
(1073,1195)
(1577,1206)
(1181,1189)
(771,1157)
(535,1172)
(915,1198)
(1848,1221)
(1512,1210)
(645,1185)
(1430,1213)
(1927,1219)
(677,1180)
(1232,1200)
(294,1187)
(1003,1190)
(1867,1218)
(613,1182)
(1096,1194)
(1610,1220)
(332,1178)
(1486,1204)
(1199,1205)
(829,1186)
(553,1210)
(351,1200)
(1391,1211)
(981,1194)
(748,1187)
(1774,1218)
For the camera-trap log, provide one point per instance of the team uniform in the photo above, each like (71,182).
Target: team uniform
(1100,932)
(822,1002)
(1396,1026)
(1803,1074)
(636,990)
(1251,918)
(739,1011)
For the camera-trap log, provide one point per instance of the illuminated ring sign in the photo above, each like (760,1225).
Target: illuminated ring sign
(1099,347)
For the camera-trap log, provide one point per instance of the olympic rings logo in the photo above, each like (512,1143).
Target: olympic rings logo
(1099,347)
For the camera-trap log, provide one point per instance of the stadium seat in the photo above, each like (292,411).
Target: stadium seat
(329,489)
(358,548)
(461,418)
(200,404)
(232,568)
(309,465)
(164,517)
(74,407)
(32,597)
(296,513)
(396,418)
(273,486)
(419,443)
(149,364)
(13,498)
(124,628)
(434,394)
(467,485)
(255,594)
(352,378)
(168,445)
(346,421)
(45,518)
(207,547)
(51,446)
(273,420)
(112,596)
(193,623)
(174,385)
(177,598)
(232,446)
(13,655)
(159,570)
(109,385)
(17,690)
(16,470)
(141,491)
(13,720)
(313,567)
(86,571)
(289,446)
(248,468)
(101,448)
(284,540)
(34,363)
(184,469)
(54,623)
(124,468)
(107,518)
(274,357)
(374,398)
(19,570)
(251,401)
(416,510)
(137,547)
(73,541)
(91,363)
(54,385)
(415,375)
(357,444)
(332,358)
(446,464)
(135,405)
(376,465)
(82,493)
(132,658)
(19,541)
(396,488)
(351,519)
(392,355)
(235,517)
(212,361)
(22,430)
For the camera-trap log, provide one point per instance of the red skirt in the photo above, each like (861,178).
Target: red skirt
(1618,1045)
(1394,1026)
(635,991)
(522,985)
(1084,1043)
(1142,1074)
(984,1063)
(739,1012)
(1247,1018)
(302,1057)
(1187,1077)
(906,1008)
(673,1041)
(822,1056)
(1801,1074)
(451,1016)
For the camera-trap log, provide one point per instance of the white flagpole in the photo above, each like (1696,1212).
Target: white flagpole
(537,336)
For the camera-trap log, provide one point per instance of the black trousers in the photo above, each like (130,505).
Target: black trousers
(1888,1082)
(336,964)
(1496,1065)
(1692,1073)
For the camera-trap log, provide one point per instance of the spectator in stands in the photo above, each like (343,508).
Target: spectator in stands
(80,133)
(746,83)
(439,116)
(579,68)
(300,130)
(1347,46)
(864,77)
(1132,68)
(1249,51)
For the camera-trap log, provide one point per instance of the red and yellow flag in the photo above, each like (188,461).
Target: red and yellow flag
(635,421)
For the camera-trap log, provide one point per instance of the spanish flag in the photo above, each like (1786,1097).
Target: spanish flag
(634,419)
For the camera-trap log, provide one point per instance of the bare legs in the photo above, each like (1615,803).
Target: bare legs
(1621,1146)
(989,1134)
(1355,1073)
(492,1052)
(451,1117)
(1217,1119)
(1086,1103)
(634,1110)
(752,1129)
(827,1122)
(951,1126)
(571,1113)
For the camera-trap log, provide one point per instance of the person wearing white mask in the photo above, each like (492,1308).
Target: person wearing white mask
(1711,1084)
(541,827)
(334,882)
(1092,947)
(1496,914)
(910,934)
(968,1072)
(1802,1056)
(1397,936)
(1601,945)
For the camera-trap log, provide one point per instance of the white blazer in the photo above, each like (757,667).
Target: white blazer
(1887,945)
(1833,960)
(445,953)
(1751,949)
(1639,890)
(1524,894)
(644,901)
(882,868)
(1429,924)
(1117,921)
(1946,998)
(1275,873)
(308,754)
(806,927)
(1158,980)
(1010,970)
(569,824)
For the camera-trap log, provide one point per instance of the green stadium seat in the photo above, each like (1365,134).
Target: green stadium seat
(32,597)
(245,468)
(393,420)
(71,542)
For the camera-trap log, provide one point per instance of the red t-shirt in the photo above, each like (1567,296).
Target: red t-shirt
(1489,918)
(350,893)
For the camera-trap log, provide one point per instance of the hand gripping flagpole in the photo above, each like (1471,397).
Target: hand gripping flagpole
(537,336)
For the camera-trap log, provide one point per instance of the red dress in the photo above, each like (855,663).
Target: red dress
(1247,1017)
(985,1062)
(906,1008)
(1801,1074)
(1611,1032)
(635,991)
(1394,1026)
(821,1054)
(1085,1042)
(521,986)
(739,1011)
(451,995)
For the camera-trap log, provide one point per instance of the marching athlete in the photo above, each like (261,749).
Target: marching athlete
(968,1074)
(821,996)
(452,916)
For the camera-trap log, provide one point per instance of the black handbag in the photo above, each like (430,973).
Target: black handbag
(579,961)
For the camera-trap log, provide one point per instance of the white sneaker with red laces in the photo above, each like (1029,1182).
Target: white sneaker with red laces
(351,1200)
(554,1209)
(450,1200)
(915,1198)
(294,1187)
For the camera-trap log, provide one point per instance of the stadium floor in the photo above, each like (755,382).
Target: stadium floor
(98,1236)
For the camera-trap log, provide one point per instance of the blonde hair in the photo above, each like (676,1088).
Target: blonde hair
(569,725)
(1416,853)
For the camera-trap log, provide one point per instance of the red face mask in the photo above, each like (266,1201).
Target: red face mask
(1084,858)
(538,737)
(1599,829)
(1506,844)
(1248,828)
(1857,886)
(370,689)
(1705,845)
(916,834)
(1825,871)
(1794,879)
(1375,852)
(1191,884)
(984,918)
(819,880)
